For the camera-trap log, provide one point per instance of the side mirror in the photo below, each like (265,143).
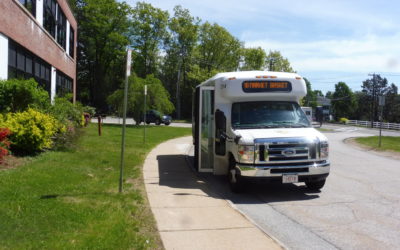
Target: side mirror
(220,120)
(220,132)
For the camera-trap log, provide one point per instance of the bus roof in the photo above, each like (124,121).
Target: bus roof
(252,74)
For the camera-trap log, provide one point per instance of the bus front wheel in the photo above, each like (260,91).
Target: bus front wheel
(234,178)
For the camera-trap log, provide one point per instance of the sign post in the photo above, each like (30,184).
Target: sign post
(381,104)
(144,114)
(128,73)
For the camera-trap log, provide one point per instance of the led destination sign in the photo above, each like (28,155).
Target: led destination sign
(266,86)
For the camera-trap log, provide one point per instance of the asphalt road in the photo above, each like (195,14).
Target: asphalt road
(130,121)
(359,207)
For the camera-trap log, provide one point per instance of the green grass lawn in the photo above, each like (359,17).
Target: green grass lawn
(388,142)
(70,199)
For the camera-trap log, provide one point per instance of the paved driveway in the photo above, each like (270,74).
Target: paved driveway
(359,207)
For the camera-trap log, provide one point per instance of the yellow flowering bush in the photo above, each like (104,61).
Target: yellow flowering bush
(343,120)
(31,130)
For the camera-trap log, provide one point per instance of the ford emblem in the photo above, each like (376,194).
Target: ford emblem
(288,152)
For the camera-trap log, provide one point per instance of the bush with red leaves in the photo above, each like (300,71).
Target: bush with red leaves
(4,142)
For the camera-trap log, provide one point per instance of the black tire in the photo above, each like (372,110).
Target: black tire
(167,123)
(234,178)
(158,122)
(147,122)
(315,185)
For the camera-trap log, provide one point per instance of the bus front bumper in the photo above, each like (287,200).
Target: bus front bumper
(304,171)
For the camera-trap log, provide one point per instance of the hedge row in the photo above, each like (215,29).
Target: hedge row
(34,124)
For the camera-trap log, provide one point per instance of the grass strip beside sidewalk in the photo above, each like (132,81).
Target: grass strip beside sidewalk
(70,199)
(388,143)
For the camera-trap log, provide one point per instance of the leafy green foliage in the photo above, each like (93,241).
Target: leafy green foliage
(18,95)
(65,111)
(343,102)
(147,34)
(218,49)
(103,27)
(254,59)
(31,130)
(157,97)
(276,62)
(310,100)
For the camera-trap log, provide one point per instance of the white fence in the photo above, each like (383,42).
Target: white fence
(385,125)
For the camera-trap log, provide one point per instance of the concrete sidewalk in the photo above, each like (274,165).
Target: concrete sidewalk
(189,214)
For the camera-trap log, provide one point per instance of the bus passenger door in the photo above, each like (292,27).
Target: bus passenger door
(205,136)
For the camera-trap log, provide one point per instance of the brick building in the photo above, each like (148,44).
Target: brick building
(38,40)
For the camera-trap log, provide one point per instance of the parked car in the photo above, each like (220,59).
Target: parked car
(154,116)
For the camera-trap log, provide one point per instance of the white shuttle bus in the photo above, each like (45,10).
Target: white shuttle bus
(250,125)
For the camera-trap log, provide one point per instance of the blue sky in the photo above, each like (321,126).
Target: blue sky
(325,41)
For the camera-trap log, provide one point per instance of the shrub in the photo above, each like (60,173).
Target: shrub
(343,120)
(64,110)
(18,95)
(90,110)
(4,142)
(31,131)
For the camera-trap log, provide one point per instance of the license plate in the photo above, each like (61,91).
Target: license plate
(290,178)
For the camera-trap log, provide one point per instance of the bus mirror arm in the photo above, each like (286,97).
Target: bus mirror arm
(224,136)
(237,138)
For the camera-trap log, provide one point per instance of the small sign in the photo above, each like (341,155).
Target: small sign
(381,100)
(145,89)
(128,62)
(266,86)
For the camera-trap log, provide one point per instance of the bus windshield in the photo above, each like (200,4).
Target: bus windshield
(268,114)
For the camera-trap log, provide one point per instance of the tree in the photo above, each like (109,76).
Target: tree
(254,59)
(147,34)
(179,48)
(343,102)
(362,111)
(392,105)
(157,97)
(217,49)
(276,62)
(310,100)
(374,87)
(103,25)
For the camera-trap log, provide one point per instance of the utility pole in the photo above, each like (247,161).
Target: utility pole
(178,98)
(128,73)
(271,63)
(381,104)
(178,95)
(373,100)
(144,114)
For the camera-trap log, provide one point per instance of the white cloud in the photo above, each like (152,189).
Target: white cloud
(367,53)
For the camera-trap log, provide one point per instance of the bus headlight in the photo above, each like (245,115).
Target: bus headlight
(246,154)
(324,150)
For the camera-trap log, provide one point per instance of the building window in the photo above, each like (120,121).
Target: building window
(71,42)
(63,84)
(49,16)
(55,22)
(30,5)
(23,64)
(61,28)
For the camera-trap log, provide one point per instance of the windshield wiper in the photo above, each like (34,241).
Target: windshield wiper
(299,125)
(256,126)
(289,124)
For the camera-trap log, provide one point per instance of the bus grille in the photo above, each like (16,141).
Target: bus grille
(285,150)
